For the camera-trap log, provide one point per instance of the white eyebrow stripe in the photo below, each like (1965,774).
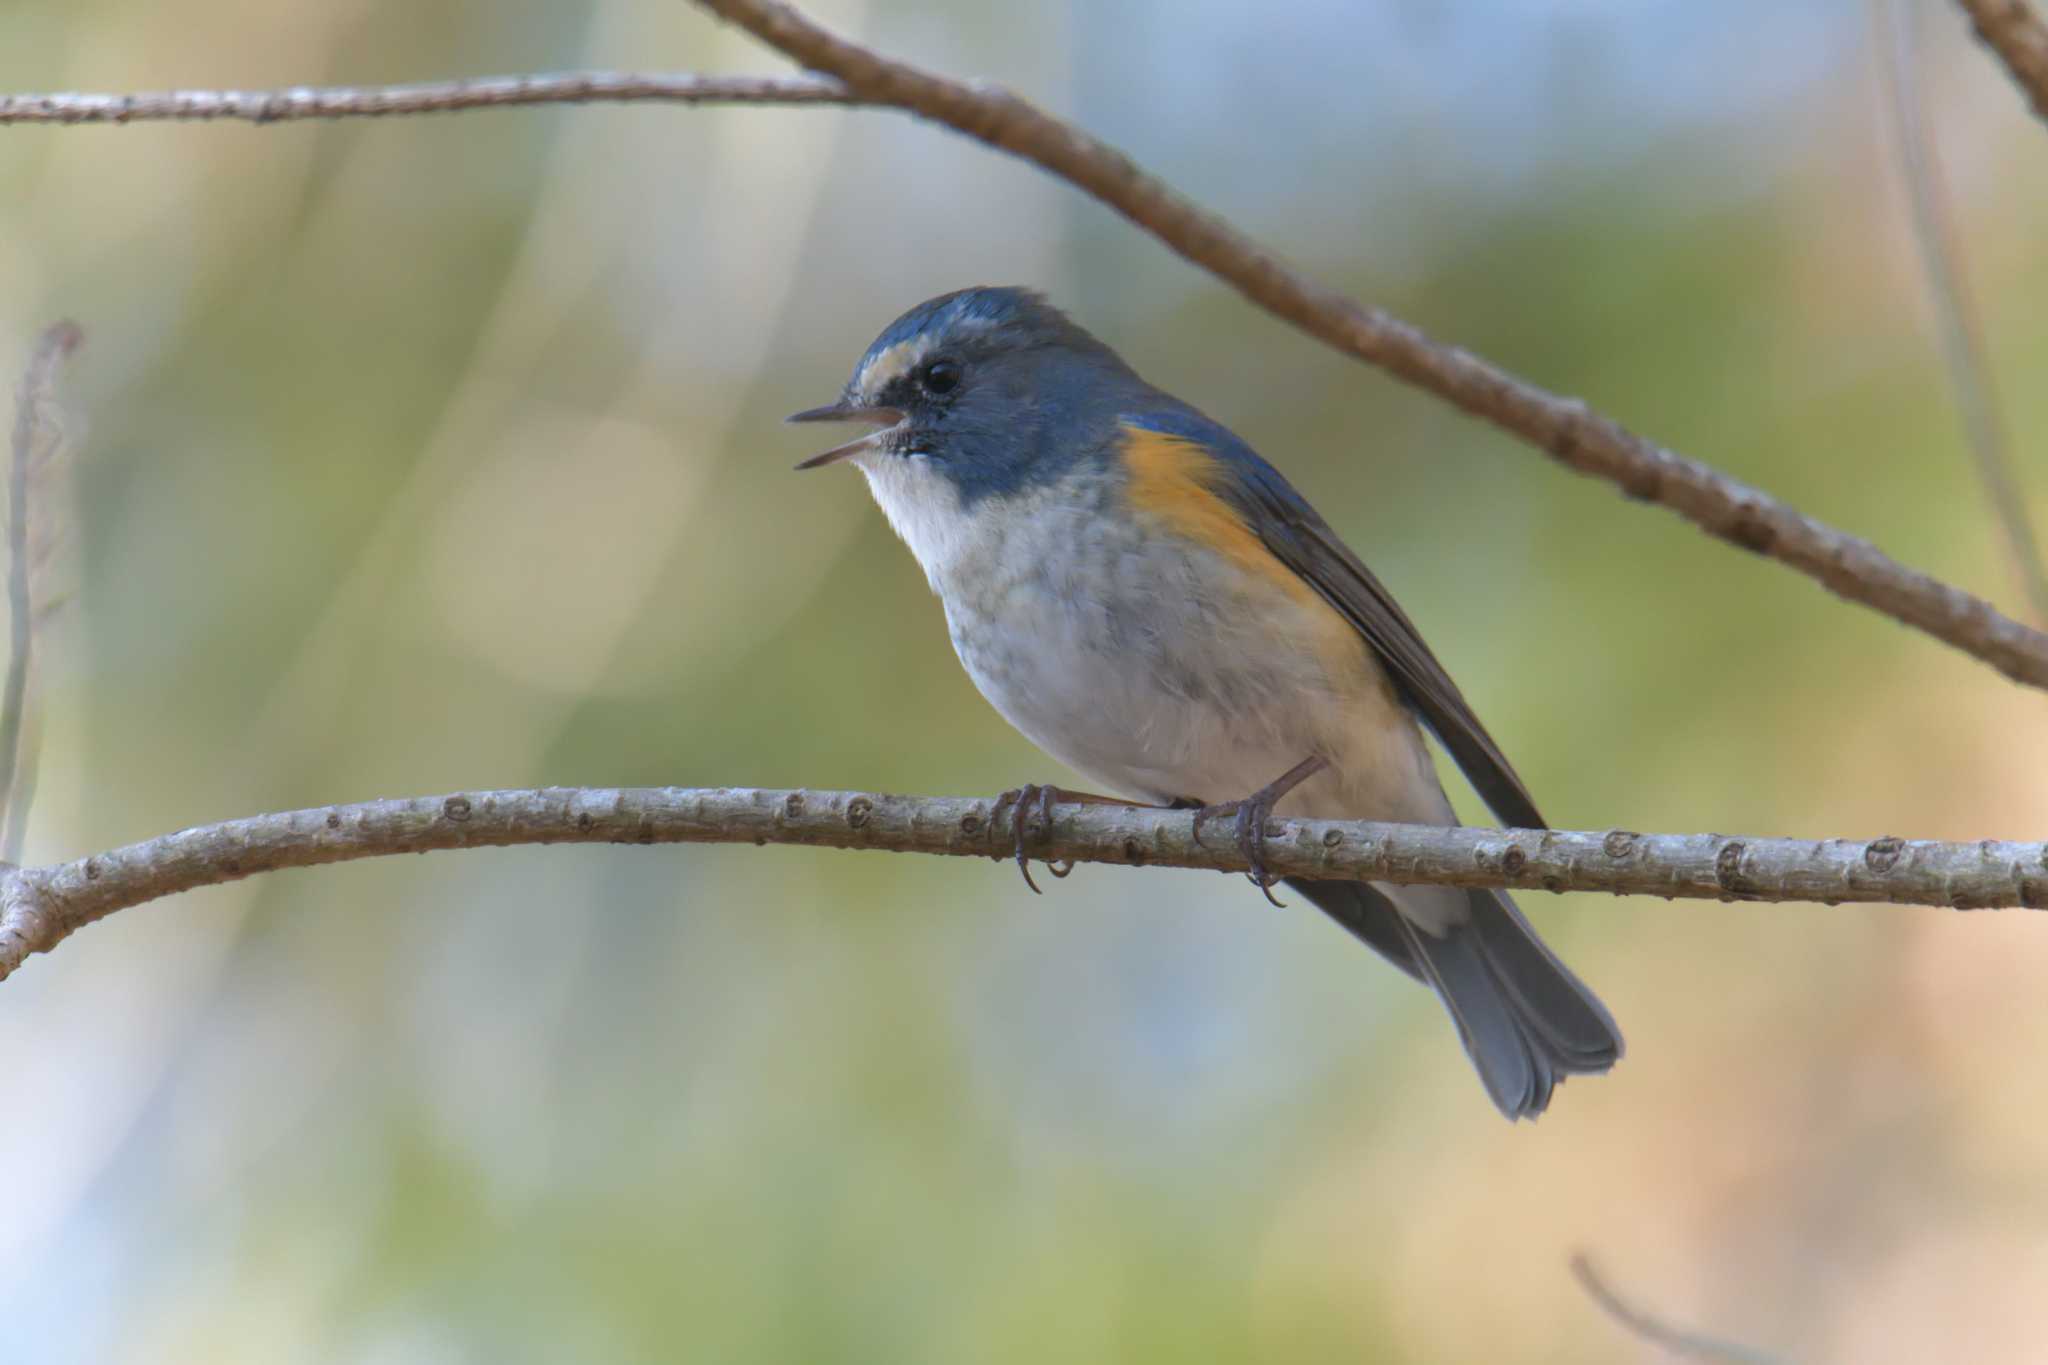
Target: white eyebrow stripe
(892,363)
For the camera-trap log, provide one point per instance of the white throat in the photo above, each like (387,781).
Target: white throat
(923,506)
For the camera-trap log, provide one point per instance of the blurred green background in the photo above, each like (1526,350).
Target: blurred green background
(444,453)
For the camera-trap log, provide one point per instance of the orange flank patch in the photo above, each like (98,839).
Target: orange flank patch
(1174,479)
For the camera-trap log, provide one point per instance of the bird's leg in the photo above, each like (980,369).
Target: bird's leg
(1021,799)
(1253,811)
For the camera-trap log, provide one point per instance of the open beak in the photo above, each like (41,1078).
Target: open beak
(881,418)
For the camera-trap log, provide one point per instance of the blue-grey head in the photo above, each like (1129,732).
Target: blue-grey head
(986,391)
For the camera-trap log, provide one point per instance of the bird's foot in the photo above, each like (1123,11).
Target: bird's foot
(1021,800)
(1251,814)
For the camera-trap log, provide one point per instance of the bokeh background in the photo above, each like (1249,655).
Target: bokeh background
(442,454)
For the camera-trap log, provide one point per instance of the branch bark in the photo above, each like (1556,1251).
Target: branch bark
(39,907)
(440,97)
(1565,428)
(2011,29)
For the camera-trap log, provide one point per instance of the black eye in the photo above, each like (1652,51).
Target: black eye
(940,377)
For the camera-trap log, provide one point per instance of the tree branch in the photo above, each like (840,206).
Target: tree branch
(440,97)
(1960,337)
(39,907)
(1565,428)
(1677,1340)
(36,440)
(2012,30)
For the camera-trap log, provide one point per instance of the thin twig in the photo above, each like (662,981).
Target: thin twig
(2012,30)
(1565,428)
(1677,1340)
(438,97)
(40,906)
(36,434)
(1961,336)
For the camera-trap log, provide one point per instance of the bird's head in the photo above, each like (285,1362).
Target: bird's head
(988,389)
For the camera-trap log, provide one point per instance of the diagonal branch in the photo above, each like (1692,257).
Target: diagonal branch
(439,97)
(2012,30)
(1948,295)
(39,907)
(1566,428)
(1961,337)
(1679,1341)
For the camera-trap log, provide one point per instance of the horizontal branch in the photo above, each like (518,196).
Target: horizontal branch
(39,907)
(439,97)
(2011,29)
(1565,428)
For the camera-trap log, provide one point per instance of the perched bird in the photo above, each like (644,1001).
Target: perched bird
(1153,605)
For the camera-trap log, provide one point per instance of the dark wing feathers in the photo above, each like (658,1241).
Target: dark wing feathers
(1303,541)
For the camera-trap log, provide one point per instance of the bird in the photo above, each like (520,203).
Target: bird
(1154,606)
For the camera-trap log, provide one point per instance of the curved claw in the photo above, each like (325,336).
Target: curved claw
(1251,837)
(1018,795)
(1045,797)
(1252,813)
(1025,795)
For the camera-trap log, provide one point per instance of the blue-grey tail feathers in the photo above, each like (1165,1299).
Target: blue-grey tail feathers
(1525,1020)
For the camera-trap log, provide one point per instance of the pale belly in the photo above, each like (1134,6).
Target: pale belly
(1160,672)
(1163,675)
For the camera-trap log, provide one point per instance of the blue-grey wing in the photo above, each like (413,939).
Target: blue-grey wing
(1302,540)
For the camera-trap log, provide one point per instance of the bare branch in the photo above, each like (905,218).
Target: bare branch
(36,438)
(2012,30)
(40,906)
(440,97)
(1961,338)
(1566,428)
(1677,1340)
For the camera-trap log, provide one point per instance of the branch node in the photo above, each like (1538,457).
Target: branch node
(1881,855)
(1728,871)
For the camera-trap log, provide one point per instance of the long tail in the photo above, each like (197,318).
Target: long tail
(1525,1020)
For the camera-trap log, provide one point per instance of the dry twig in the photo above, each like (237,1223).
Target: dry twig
(37,437)
(1948,294)
(439,97)
(39,907)
(1676,1340)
